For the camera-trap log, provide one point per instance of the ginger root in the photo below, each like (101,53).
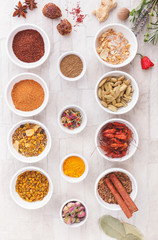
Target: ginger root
(106,6)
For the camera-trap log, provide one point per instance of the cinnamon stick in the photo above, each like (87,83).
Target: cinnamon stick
(122,191)
(118,198)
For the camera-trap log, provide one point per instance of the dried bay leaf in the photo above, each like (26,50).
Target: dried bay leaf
(112,227)
(130,236)
(131,229)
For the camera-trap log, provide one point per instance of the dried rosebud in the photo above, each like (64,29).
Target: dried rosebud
(50,10)
(64,27)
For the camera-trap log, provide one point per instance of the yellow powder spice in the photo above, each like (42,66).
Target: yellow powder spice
(73,167)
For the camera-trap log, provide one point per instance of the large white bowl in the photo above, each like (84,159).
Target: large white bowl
(132,147)
(68,78)
(76,130)
(11,54)
(134,99)
(22,158)
(19,78)
(129,35)
(72,179)
(115,206)
(30,205)
(75,224)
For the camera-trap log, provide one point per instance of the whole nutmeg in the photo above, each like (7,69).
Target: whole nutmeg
(123,14)
(50,10)
(64,27)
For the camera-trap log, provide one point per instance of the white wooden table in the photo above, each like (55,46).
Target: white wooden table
(19,224)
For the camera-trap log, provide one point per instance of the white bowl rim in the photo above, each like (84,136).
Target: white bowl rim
(115,25)
(77,130)
(83,61)
(126,110)
(104,173)
(21,157)
(29,113)
(126,157)
(29,65)
(76,224)
(72,179)
(31,168)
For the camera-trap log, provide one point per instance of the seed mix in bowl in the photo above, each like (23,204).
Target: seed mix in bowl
(113,47)
(29,140)
(32,186)
(115,92)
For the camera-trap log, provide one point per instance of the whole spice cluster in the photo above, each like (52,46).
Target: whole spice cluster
(71,118)
(32,186)
(115,92)
(20,9)
(73,212)
(29,140)
(115,139)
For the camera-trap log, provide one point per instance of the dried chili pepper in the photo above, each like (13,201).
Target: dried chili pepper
(145,62)
(71,118)
(115,139)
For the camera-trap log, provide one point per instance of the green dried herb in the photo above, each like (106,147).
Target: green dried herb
(114,228)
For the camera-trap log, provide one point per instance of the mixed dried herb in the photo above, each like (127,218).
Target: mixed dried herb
(29,140)
(71,118)
(32,186)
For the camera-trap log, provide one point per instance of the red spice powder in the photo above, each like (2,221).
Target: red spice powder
(28,46)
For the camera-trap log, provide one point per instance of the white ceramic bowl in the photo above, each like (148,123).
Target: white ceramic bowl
(135,96)
(129,35)
(22,158)
(19,78)
(75,78)
(115,206)
(132,147)
(75,224)
(72,179)
(30,205)
(11,54)
(76,130)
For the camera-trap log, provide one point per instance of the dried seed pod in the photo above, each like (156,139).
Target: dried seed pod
(102,82)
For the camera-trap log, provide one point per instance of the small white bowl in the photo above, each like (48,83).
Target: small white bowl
(72,179)
(134,99)
(75,224)
(129,35)
(19,78)
(30,205)
(19,156)
(75,78)
(132,147)
(83,123)
(13,57)
(115,206)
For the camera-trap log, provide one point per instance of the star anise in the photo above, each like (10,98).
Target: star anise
(20,10)
(31,4)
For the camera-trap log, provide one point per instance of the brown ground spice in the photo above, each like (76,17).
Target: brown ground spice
(28,46)
(27,95)
(71,66)
(105,192)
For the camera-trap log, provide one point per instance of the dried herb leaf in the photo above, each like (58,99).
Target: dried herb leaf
(112,227)
(131,229)
(130,236)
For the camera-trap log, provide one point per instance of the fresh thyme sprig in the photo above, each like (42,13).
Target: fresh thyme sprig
(146,13)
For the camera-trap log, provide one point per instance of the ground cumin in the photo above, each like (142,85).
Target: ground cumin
(27,95)
(71,66)
(28,46)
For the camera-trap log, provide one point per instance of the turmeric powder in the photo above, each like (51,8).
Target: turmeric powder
(73,166)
